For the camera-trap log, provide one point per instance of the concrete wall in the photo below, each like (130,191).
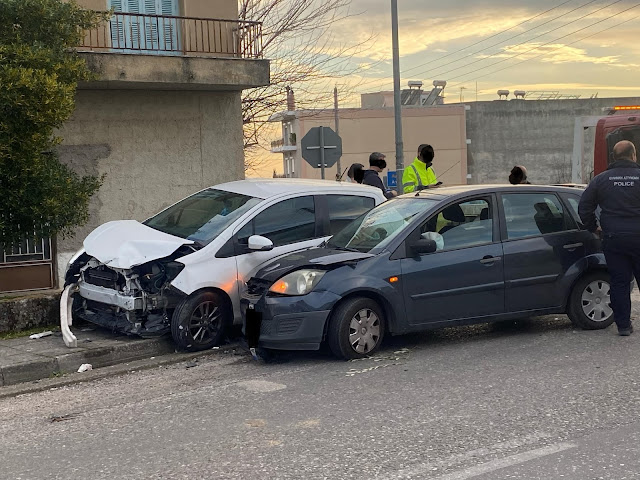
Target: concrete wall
(364,131)
(535,133)
(155,148)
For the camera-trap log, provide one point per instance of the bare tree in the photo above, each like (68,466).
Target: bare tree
(304,55)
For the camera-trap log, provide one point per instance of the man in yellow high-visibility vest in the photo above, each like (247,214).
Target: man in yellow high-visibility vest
(420,174)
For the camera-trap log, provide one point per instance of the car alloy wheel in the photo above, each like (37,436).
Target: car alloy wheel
(364,331)
(205,322)
(596,301)
(200,321)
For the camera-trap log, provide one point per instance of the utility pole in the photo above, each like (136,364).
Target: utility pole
(397,105)
(461,94)
(337,120)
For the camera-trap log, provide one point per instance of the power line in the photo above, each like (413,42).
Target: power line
(534,38)
(546,53)
(506,39)
(493,36)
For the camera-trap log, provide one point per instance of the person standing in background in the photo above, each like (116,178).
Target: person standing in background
(377,163)
(420,174)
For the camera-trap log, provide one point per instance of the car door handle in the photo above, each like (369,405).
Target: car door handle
(573,246)
(489,260)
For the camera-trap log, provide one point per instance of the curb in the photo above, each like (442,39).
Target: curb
(120,368)
(46,367)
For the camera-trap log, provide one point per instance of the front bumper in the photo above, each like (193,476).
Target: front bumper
(110,296)
(288,323)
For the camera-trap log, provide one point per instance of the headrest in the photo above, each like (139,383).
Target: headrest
(454,213)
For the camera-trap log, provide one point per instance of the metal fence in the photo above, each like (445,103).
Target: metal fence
(27,265)
(165,34)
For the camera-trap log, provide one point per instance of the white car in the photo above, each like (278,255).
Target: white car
(184,269)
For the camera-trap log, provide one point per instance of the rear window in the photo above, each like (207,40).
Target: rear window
(531,214)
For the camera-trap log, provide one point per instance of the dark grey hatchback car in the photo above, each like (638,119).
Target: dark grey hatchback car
(443,257)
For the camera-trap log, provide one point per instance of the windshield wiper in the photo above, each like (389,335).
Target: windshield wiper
(344,249)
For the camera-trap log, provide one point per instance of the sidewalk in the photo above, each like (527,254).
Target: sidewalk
(25,360)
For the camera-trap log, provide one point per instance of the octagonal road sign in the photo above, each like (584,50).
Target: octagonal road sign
(321,142)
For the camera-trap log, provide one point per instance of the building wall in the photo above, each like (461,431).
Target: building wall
(535,133)
(364,131)
(155,147)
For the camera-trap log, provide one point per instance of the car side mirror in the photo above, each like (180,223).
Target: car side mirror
(423,246)
(259,243)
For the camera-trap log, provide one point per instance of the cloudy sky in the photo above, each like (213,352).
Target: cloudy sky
(579,47)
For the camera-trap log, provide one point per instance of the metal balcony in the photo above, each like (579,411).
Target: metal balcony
(172,35)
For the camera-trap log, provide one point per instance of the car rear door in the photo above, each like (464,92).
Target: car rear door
(541,243)
(464,278)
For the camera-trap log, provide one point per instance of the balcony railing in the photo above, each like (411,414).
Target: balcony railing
(171,35)
(277,143)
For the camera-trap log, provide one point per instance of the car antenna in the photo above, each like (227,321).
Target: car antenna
(339,178)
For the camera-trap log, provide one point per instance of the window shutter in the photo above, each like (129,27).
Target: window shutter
(134,6)
(117,24)
(169,33)
(150,7)
(168,7)
(116,5)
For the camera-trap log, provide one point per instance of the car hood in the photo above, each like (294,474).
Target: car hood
(311,258)
(127,243)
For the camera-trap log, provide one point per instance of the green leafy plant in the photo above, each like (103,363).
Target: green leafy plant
(39,73)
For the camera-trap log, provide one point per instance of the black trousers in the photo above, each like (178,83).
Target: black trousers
(623,261)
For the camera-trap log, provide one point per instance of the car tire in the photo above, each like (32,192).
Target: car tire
(356,328)
(589,303)
(200,321)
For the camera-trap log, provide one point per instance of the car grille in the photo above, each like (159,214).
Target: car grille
(265,327)
(289,326)
(257,286)
(102,277)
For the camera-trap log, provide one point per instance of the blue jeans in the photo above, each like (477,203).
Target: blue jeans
(623,262)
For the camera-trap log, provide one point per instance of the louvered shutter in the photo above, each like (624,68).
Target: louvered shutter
(169,25)
(117,25)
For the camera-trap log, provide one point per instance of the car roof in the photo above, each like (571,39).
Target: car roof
(440,193)
(270,187)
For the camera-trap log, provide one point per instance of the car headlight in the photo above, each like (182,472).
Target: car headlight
(299,282)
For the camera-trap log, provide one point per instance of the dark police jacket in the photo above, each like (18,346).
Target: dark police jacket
(372,178)
(617,192)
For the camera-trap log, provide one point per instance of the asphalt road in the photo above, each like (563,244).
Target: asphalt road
(526,400)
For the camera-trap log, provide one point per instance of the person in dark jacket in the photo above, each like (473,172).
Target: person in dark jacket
(617,192)
(377,163)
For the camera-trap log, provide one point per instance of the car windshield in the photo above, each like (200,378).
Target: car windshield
(203,216)
(375,229)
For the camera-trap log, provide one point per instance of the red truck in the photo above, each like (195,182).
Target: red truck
(622,124)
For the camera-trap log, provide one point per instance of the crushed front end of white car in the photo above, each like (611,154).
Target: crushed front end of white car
(124,284)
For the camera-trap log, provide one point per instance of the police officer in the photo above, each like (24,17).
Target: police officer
(420,173)
(617,192)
